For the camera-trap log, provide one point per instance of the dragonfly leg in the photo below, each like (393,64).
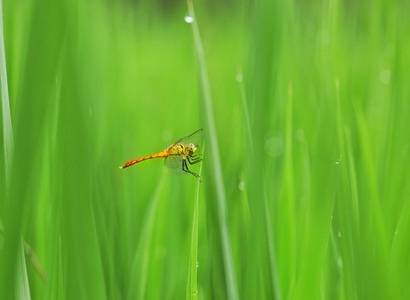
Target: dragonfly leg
(194,159)
(185,168)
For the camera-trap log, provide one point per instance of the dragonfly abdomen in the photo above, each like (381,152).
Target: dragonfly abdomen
(161,154)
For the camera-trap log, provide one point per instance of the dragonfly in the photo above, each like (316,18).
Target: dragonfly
(178,155)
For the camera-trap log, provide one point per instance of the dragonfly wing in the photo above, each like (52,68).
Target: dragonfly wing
(174,163)
(195,138)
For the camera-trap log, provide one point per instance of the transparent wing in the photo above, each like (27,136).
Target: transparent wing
(174,163)
(196,138)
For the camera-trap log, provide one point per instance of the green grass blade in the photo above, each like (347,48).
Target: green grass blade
(262,277)
(192,282)
(22,284)
(213,166)
(29,123)
(142,258)
(5,107)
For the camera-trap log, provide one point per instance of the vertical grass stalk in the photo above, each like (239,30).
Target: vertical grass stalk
(192,284)
(215,170)
(5,105)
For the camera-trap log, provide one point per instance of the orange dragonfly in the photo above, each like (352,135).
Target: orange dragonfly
(178,155)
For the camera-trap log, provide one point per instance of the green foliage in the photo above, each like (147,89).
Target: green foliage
(303,193)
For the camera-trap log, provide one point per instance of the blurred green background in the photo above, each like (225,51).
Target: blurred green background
(303,192)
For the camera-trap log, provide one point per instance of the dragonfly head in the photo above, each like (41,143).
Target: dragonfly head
(191,148)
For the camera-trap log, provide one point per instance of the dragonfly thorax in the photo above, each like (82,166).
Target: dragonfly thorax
(181,149)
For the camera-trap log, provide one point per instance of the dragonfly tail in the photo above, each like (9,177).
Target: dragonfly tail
(161,154)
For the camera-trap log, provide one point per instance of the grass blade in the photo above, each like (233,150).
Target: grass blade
(214,171)
(192,282)
(5,105)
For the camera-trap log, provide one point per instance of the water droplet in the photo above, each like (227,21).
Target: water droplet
(239,77)
(339,234)
(241,186)
(339,160)
(197,264)
(274,146)
(189,19)
(340,262)
(385,76)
